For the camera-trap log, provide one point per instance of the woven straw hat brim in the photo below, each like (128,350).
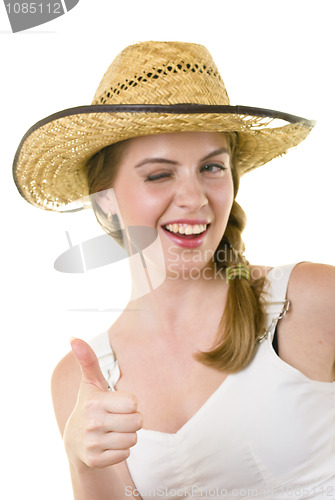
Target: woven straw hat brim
(49,166)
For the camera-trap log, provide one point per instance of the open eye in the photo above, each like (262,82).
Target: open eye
(213,168)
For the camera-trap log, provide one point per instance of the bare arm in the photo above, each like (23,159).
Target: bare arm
(308,331)
(98,427)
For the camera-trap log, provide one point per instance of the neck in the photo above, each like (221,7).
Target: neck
(176,303)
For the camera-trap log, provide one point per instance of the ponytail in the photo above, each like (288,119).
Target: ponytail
(243,318)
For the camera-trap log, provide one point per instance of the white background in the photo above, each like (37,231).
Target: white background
(270,54)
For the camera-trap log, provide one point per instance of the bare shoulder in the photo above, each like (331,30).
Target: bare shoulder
(65,383)
(306,335)
(311,290)
(308,277)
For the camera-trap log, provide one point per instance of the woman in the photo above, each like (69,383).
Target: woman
(197,389)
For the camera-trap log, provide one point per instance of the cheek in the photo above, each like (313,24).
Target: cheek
(224,198)
(138,205)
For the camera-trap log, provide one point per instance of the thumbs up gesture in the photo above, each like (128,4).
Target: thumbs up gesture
(102,427)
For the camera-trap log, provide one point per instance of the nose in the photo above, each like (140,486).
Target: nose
(190,194)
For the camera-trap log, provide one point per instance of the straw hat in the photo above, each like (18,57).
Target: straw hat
(150,88)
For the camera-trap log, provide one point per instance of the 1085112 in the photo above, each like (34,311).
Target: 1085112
(34,8)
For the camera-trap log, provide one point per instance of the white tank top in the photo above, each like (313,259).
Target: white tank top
(268,432)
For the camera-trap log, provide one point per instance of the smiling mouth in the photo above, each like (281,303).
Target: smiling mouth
(186,230)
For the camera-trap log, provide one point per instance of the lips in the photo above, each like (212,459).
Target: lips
(185,229)
(188,234)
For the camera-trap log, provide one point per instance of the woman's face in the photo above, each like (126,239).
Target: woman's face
(180,184)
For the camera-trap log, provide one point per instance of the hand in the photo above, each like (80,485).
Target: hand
(102,427)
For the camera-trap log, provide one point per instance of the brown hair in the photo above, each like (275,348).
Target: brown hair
(101,172)
(243,318)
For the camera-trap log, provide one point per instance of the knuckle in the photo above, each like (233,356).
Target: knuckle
(124,454)
(91,444)
(99,461)
(138,420)
(93,423)
(93,461)
(91,405)
(132,401)
(133,439)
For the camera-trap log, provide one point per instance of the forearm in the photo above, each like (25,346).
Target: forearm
(98,484)
(98,427)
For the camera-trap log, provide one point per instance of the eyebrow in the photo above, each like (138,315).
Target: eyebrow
(171,162)
(215,153)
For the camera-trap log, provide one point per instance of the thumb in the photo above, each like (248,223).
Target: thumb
(89,364)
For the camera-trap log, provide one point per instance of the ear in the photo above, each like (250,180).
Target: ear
(107,201)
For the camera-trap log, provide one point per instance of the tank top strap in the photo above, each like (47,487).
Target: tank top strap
(275,296)
(107,359)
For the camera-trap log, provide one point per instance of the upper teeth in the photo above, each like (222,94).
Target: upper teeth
(186,228)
